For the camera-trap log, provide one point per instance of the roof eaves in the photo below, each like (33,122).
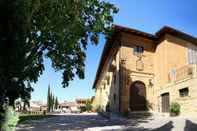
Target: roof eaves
(102,60)
(175,32)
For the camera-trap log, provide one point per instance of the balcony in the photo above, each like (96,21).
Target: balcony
(187,71)
(184,72)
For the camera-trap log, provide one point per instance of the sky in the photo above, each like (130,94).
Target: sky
(145,15)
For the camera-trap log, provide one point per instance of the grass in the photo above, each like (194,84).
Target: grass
(26,117)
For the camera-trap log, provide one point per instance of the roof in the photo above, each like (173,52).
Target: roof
(157,36)
(69,104)
(119,28)
(177,33)
(82,99)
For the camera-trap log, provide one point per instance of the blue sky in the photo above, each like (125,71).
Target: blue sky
(145,15)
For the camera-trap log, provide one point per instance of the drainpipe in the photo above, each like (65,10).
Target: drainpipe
(120,77)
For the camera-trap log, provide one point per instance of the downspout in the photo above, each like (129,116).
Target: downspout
(120,72)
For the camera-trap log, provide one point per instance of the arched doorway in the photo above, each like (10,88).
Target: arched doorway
(138,96)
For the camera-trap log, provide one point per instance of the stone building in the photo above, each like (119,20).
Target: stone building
(139,71)
(81,102)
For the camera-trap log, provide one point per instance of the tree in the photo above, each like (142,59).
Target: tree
(26,96)
(48,99)
(56,29)
(88,106)
(52,102)
(18,105)
(56,103)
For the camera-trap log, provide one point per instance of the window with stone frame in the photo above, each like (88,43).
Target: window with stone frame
(184,92)
(138,50)
(108,80)
(114,77)
(114,97)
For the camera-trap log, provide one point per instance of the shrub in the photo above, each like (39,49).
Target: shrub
(125,114)
(10,120)
(98,109)
(175,109)
(88,106)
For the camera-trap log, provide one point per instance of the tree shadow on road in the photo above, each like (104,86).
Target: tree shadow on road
(190,126)
(167,127)
(68,122)
(82,122)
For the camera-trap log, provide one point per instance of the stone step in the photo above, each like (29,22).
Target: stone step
(140,114)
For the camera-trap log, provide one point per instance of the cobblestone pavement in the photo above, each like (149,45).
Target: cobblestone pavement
(94,122)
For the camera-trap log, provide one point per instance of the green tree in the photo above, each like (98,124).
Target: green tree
(49,99)
(56,103)
(27,96)
(52,101)
(11,119)
(88,106)
(56,29)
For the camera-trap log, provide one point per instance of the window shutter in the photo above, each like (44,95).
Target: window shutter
(192,54)
(189,55)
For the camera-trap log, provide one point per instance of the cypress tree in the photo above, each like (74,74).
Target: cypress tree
(48,99)
(52,101)
(56,103)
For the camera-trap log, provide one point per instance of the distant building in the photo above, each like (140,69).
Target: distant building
(68,106)
(37,106)
(82,102)
(139,71)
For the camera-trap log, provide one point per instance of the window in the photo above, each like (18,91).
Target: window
(192,54)
(114,78)
(114,97)
(108,80)
(104,86)
(184,92)
(137,50)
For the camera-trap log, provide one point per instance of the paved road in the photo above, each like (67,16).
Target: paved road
(94,122)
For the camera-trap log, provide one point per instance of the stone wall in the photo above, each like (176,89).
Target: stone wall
(129,67)
(106,89)
(188,103)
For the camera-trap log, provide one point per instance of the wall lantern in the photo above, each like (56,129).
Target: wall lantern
(150,83)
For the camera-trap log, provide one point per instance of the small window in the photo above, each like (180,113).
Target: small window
(108,80)
(114,97)
(184,92)
(114,78)
(138,50)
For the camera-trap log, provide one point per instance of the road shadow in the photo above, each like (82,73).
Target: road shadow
(68,122)
(190,126)
(84,122)
(167,127)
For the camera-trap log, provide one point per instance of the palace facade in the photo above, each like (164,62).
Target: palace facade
(139,71)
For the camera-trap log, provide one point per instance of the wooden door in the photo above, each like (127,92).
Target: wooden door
(165,101)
